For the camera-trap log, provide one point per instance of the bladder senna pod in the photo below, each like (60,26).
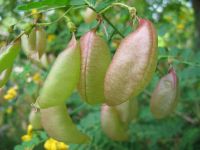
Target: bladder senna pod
(89,15)
(7,57)
(35,42)
(29,42)
(133,64)
(35,119)
(62,78)
(40,41)
(111,124)
(95,58)
(127,111)
(165,97)
(115,120)
(59,125)
(4,76)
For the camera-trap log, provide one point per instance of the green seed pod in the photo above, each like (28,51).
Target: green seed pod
(35,119)
(95,58)
(4,76)
(62,78)
(29,42)
(58,124)
(133,65)
(7,57)
(127,111)
(1,117)
(111,124)
(165,97)
(89,15)
(40,41)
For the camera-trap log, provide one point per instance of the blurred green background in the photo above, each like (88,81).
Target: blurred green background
(178,27)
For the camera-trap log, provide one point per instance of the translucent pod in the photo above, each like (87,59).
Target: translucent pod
(4,76)
(89,15)
(8,56)
(35,119)
(112,125)
(29,42)
(62,78)
(127,111)
(95,58)
(41,41)
(133,65)
(165,96)
(58,124)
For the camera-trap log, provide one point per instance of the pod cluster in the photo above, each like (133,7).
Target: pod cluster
(34,42)
(99,79)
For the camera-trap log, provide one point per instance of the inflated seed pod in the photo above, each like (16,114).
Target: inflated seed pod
(127,111)
(35,119)
(58,124)
(1,117)
(62,78)
(7,57)
(95,58)
(40,41)
(29,42)
(89,15)
(111,124)
(165,96)
(133,64)
(4,76)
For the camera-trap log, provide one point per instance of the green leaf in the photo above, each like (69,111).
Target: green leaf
(75,2)
(103,5)
(43,4)
(91,3)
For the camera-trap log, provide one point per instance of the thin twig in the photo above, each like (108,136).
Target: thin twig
(110,23)
(187,118)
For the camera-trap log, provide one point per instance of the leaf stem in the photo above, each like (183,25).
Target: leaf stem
(48,23)
(174,59)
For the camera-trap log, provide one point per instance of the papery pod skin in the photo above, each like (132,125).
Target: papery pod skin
(41,62)
(89,15)
(7,57)
(35,119)
(111,124)
(4,76)
(1,117)
(44,61)
(58,124)
(165,97)
(127,111)
(62,78)
(95,58)
(41,41)
(133,64)
(29,42)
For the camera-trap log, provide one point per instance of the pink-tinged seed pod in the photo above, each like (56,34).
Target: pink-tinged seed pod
(111,124)
(127,111)
(95,58)
(133,64)
(165,97)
